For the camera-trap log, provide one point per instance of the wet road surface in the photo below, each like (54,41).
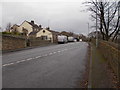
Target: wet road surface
(56,66)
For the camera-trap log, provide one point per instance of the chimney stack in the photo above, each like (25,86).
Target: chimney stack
(40,26)
(48,28)
(32,21)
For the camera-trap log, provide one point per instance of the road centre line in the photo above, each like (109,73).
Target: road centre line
(38,56)
(50,53)
(29,59)
(33,58)
(20,61)
(45,55)
(7,64)
(54,52)
(58,51)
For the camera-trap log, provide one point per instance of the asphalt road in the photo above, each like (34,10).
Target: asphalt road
(56,66)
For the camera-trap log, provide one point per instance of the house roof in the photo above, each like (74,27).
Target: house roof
(54,32)
(34,32)
(14,26)
(66,33)
(32,24)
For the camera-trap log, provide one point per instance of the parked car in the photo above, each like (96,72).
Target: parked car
(70,39)
(62,39)
(75,40)
(80,40)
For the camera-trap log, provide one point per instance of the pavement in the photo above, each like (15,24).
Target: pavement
(99,77)
(55,66)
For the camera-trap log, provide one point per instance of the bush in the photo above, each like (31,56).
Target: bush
(6,33)
(11,33)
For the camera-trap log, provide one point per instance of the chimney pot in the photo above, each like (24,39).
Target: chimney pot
(40,26)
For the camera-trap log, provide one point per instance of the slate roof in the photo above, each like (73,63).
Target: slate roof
(34,32)
(34,25)
(54,32)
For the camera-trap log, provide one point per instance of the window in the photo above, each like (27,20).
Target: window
(44,37)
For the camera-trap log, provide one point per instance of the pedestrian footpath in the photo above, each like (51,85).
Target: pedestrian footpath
(98,75)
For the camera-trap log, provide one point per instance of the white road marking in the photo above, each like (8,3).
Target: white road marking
(29,59)
(7,64)
(45,55)
(38,57)
(11,63)
(50,53)
(58,51)
(34,58)
(23,60)
(54,52)
(19,61)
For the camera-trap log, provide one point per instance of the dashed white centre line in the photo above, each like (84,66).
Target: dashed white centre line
(7,64)
(54,52)
(29,59)
(45,55)
(38,57)
(33,58)
(23,60)
(50,53)
(58,51)
(19,61)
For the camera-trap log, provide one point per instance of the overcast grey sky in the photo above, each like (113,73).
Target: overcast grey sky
(62,15)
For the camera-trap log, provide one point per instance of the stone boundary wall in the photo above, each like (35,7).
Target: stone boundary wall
(12,42)
(9,42)
(37,42)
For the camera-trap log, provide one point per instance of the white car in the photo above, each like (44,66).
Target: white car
(62,39)
(80,40)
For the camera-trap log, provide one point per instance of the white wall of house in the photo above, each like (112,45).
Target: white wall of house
(25,25)
(46,33)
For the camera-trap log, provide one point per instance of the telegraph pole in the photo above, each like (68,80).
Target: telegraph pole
(118,37)
(48,23)
(88,32)
(88,27)
(96,27)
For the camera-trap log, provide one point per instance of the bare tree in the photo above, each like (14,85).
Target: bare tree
(107,17)
(8,27)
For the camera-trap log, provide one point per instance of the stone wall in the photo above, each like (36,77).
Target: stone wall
(38,42)
(9,42)
(12,42)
